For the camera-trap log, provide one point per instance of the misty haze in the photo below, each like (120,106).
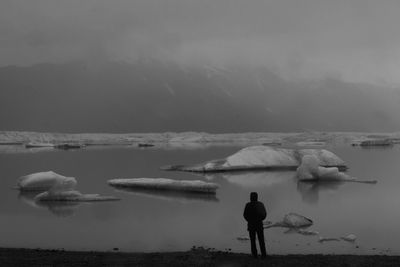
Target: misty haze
(148,126)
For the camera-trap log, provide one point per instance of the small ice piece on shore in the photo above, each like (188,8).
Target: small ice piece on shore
(327,239)
(307,232)
(72,196)
(349,238)
(296,221)
(166,184)
(310,170)
(43,181)
(292,220)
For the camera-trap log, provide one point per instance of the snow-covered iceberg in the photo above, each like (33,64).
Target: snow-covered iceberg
(72,196)
(292,220)
(263,157)
(310,170)
(43,181)
(166,184)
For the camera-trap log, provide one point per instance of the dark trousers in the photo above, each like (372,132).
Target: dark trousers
(260,236)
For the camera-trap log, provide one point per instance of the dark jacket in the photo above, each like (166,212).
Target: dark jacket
(254,213)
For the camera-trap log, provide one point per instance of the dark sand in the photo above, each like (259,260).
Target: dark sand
(194,257)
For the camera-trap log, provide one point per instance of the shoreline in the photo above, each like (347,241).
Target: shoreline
(195,257)
(172,138)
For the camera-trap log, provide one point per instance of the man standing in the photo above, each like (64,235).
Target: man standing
(255,213)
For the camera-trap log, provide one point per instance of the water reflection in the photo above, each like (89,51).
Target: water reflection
(58,208)
(309,191)
(169,195)
(254,179)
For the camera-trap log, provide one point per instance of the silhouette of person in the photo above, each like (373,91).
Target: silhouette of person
(255,213)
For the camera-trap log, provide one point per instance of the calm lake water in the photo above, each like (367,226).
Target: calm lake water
(147,221)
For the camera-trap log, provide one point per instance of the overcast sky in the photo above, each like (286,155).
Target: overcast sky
(356,40)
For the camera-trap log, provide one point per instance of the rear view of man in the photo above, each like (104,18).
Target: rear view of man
(255,213)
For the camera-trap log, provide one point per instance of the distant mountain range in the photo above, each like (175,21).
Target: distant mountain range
(157,96)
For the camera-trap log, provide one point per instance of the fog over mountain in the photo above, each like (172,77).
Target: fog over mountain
(210,65)
(151,95)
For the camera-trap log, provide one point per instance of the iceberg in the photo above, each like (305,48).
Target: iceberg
(310,170)
(263,158)
(43,181)
(55,187)
(292,220)
(166,184)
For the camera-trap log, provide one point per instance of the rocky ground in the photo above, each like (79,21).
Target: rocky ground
(194,257)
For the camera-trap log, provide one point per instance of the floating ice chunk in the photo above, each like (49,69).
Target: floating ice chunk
(292,220)
(310,170)
(166,184)
(72,196)
(349,238)
(263,157)
(295,220)
(43,181)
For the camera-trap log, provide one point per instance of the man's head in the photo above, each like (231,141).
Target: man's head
(253,196)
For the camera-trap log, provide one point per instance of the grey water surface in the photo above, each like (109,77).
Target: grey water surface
(157,221)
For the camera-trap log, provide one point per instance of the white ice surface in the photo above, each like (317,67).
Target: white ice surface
(43,181)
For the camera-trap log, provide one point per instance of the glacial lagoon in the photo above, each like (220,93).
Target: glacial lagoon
(156,221)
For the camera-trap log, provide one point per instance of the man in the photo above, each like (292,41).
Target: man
(255,213)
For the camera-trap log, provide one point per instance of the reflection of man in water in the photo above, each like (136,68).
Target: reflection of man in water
(255,213)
